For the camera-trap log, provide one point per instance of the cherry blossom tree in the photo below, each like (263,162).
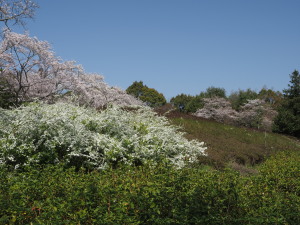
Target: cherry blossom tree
(32,71)
(218,109)
(16,11)
(255,113)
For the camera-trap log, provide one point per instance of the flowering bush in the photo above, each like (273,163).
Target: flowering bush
(48,134)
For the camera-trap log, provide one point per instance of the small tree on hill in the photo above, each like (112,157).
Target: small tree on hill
(181,101)
(148,95)
(136,89)
(213,92)
(194,104)
(241,97)
(273,98)
(288,119)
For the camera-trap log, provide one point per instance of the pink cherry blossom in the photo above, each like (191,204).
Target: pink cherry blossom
(32,71)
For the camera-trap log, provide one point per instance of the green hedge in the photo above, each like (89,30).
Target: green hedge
(153,195)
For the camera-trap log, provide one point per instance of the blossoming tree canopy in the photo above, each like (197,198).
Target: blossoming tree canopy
(16,11)
(32,71)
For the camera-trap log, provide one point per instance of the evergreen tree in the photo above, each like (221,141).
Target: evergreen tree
(288,119)
(294,88)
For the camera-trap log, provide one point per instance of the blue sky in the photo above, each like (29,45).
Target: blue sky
(176,46)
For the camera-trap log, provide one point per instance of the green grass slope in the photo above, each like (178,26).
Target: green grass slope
(226,144)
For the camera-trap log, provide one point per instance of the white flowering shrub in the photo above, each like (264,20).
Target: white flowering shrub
(40,134)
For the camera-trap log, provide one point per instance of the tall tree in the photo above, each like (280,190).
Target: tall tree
(294,87)
(12,12)
(150,96)
(15,12)
(288,119)
(31,71)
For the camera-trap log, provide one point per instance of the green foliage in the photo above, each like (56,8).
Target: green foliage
(136,89)
(181,101)
(7,97)
(273,196)
(241,97)
(188,103)
(153,98)
(273,98)
(288,118)
(153,195)
(194,104)
(148,95)
(294,87)
(212,92)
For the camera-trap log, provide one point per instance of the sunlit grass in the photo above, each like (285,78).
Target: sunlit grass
(234,144)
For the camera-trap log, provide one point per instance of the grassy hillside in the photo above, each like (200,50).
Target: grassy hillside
(230,145)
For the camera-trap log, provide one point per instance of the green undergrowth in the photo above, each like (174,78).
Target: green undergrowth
(156,194)
(234,145)
(212,189)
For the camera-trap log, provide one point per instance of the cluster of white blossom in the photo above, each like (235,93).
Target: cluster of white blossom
(43,133)
(32,71)
(16,11)
(255,113)
(218,109)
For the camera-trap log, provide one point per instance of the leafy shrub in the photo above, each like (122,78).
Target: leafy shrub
(126,195)
(273,196)
(40,134)
(153,195)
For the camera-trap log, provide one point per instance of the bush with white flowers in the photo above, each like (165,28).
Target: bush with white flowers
(40,134)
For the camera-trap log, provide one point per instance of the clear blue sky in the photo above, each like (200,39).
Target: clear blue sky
(176,46)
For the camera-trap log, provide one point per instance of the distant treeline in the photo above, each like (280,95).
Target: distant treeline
(286,103)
